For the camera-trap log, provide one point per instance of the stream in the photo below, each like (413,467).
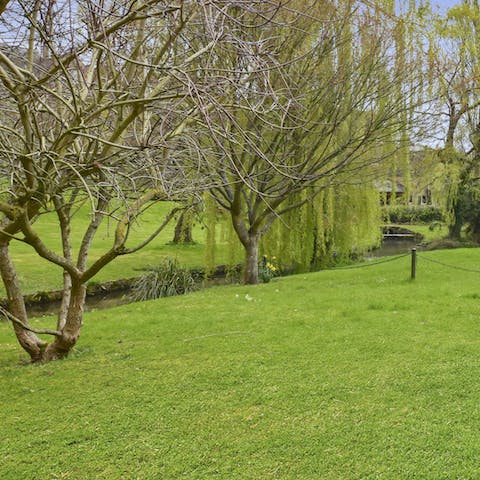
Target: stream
(393,247)
(94,302)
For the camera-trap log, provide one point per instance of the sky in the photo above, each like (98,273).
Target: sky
(444,4)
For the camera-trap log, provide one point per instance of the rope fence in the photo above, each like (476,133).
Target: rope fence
(371,264)
(415,255)
(454,267)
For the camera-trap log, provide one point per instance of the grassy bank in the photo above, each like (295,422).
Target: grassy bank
(36,274)
(343,374)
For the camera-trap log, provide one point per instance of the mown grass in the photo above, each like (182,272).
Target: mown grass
(347,374)
(36,274)
(429,233)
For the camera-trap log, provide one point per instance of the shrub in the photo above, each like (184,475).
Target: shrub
(165,280)
(411,214)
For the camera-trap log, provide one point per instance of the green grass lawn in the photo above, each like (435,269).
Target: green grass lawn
(347,374)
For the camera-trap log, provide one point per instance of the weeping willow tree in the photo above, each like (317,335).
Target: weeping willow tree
(333,226)
(456,67)
(312,142)
(408,44)
(402,154)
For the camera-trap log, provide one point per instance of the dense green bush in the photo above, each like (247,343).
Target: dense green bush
(411,214)
(165,280)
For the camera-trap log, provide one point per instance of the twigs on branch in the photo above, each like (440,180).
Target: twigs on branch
(155,233)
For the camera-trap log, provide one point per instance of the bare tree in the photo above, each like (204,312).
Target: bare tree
(104,104)
(97,97)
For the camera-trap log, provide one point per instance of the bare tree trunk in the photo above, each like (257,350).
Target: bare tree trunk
(63,214)
(455,230)
(61,346)
(251,261)
(29,341)
(250,239)
(38,349)
(183,229)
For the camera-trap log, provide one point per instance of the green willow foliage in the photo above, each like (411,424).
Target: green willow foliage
(357,81)
(335,225)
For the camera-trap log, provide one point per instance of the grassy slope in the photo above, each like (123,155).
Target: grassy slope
(334,375)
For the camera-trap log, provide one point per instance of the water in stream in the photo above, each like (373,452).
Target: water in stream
(393,247)
(105,300)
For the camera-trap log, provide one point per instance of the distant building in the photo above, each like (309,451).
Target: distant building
(386,191)
(422,197)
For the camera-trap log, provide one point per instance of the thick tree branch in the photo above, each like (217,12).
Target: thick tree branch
(17,321)
(34,240)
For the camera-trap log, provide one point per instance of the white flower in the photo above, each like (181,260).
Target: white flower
(248,298)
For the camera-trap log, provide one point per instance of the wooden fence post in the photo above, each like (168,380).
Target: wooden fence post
(414,264)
